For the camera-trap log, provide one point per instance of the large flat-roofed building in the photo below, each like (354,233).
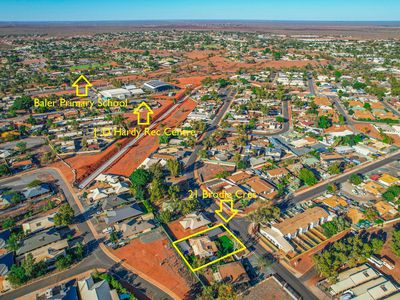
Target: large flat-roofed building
(157,86)
(280,233)
(363,282)
(120,94)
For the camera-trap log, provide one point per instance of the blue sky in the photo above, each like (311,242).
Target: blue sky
(92,10)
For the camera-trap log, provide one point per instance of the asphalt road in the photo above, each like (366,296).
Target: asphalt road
(96,257)
(310,81)
(391,108)
(190,164)
(121,152)
(240,225)
(342,178)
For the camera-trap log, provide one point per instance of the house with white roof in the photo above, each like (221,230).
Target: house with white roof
(194,221)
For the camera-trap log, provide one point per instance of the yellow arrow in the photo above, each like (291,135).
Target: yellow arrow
(148,113)
(87,83)
(232,210)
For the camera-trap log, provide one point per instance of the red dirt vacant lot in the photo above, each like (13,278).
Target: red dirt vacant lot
(158,260)
(137,154)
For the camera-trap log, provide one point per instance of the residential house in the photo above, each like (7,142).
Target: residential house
(374,188)
(388,180)
(277,173)
(38,224)
(194,221)
(114,201)
(45,245)
(335,202)
(385,210)
(40,191)
(233,273)
(363,282)
(134,227)
(261,187)
(60,292)
(203,246)
(121,214)
(89,290)
(240,177)
(273,286)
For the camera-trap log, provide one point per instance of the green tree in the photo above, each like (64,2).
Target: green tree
(28,264)
(392,193)
(324,122)
(164,139)
(243,164)
(355,179)
(17,276)
(24,102)
(79,251)
(165,216)
(8,223)
(64,216)
(34,183)
(140,177)
(156,190)
(13,242)
(173,167)
(222,174)
(21,146)
(395,244)
(4,170)
(63,262)
(114,237)
(334,169)
(307,176)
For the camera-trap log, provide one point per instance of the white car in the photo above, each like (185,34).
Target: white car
(108,230)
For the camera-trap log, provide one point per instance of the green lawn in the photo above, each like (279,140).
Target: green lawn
(87,67)
(225,245)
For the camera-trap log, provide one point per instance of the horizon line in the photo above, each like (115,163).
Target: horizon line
(201,20)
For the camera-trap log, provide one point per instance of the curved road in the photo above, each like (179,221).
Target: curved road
(96,257)
(240,225)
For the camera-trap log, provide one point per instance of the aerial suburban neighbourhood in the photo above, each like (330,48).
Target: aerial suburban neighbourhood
(148,158)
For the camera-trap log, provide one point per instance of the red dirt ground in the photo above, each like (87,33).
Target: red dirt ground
(134,157)
(158,260)
(195,80)
(83,163)
(372,132)
(208,171)
(197,54)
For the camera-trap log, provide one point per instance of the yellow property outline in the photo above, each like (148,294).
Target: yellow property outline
(243,247)
(148,113)
(87,85)
(219,211)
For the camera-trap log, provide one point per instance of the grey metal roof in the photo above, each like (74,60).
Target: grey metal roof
(39,240)
(116,200)
(156,84)
(36,191)
(123,213)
